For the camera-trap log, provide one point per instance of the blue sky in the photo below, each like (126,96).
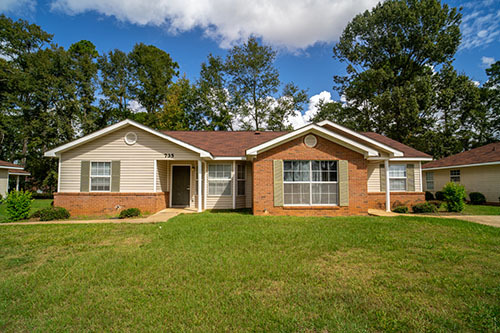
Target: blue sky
(190,30)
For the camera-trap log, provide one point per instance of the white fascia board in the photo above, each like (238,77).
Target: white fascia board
(460,166)
(19,174)
(224,158)
(395,152)
(323,132)
(401,159)
(114,127)
(11,167)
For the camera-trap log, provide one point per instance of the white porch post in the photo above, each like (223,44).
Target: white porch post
(234,184)
(387,187)
(199,186)
(17,183)
(155,171)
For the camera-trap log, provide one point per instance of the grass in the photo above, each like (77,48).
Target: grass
(238,272)
(37,204)
(481,210)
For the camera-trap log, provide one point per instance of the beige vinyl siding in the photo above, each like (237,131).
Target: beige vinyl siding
(162,176)
(374,174)
(484,179)
(4,182)
(137,161)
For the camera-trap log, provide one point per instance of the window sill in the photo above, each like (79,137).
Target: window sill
(333,207)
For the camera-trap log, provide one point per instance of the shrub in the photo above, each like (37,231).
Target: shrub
(43,196)
(435,203)
(18,205)
(130,212)
(439,195)
(454,196)
(429,196)
(424,207)
(477,198)
(400,209)
(52,213)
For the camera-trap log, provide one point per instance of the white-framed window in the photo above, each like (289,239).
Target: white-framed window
(397,177)
(429,180)
(219,179)
(308,183)
(241,179)
(100,176)
(455,176)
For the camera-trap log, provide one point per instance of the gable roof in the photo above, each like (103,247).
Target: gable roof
(8,165)
(407,150)
(222,143)
(489,154)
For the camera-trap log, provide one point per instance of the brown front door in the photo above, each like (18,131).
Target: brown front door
(180,185)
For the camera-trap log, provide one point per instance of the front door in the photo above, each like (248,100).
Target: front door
(180,185)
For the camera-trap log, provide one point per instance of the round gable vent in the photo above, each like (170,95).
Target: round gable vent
(310,140)
(130,138)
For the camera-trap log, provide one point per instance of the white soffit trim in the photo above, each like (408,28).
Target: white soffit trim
(117,126)
(400,158)
(460,166)
(11,167)
(323,132)
(230,158)
(395,152)
(19,174)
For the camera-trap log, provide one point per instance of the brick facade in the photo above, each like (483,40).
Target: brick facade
(263,200)
(107,203)
(408,199)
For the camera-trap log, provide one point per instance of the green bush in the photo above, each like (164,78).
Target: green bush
(52,213)
(429,196)
(18,205)
(131,212)
(454,196)
(477,198)
(435,203)
(43,196)
(424,207)
(400,209)
(439,195)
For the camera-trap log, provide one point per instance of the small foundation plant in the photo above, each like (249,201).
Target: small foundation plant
(18,205)
(454,197)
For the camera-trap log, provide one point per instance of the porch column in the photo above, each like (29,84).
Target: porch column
(17,183)
(234,185)
(387,187)
(199,186)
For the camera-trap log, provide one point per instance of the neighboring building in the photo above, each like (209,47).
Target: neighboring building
(8,170)
(477,169)
(319,169)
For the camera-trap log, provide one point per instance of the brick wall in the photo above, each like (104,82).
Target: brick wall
(110,203)
(263,200)
(377,200)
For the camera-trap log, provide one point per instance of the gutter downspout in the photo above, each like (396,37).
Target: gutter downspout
(387,187)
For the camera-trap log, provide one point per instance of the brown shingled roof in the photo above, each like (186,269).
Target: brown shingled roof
(19,172)
(484,154)
(8,164)
(407,150)
(224,144)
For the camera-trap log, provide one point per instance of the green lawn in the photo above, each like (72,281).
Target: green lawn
(37,204)
(481,210)
(238,272)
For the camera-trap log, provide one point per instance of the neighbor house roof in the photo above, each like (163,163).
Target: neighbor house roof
(407,150)
(8,165)
(489,154)
(222,143)
(19,172)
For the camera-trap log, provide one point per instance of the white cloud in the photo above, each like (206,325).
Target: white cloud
(487,61)
(300,120)
(480,24)
(135,106)
(292,24)
(17,5)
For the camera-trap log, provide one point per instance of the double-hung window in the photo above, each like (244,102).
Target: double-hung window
(100,176)
(310,183)
(219,179)
(397,177)
(455,176)
(429,180)
(240,177)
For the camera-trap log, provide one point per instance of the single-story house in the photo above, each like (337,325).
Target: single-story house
(477,169)
(319,169)
(7,170)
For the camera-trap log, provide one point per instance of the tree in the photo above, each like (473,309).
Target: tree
(391,52)
(291,101)
(487,120)
(252,79)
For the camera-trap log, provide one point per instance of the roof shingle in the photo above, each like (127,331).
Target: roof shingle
(407,150)
(484,154)
(8,164)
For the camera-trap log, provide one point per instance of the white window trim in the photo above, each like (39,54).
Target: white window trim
(110,176)
(244,179)
(459,176)
(398,178)
(171,179)
(223,179)
(311,182)
(427,181)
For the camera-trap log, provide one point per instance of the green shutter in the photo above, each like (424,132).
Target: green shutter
(84,176)
(278,182)
(410,178)
(382,178)
(343,183)
(115,176)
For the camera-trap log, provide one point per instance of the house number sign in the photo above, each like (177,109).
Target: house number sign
(169,155)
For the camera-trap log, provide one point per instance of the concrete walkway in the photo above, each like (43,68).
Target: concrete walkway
(160,216)
(491,220)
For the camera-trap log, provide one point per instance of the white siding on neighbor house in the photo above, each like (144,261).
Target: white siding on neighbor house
(484,179)
(374,174)
(4,182)
(137,161)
